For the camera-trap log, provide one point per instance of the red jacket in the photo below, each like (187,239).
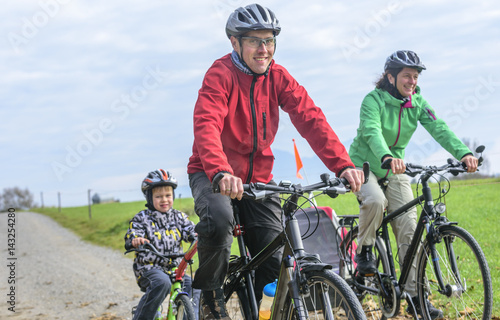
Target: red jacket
(236,118)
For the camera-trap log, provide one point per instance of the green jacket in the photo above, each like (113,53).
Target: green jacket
(386,127)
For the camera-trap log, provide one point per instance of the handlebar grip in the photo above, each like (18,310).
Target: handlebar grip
(215,182)
(366,171)
(128,244)
(386,164)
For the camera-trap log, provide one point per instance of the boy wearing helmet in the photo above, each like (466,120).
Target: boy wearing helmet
(236,118)
(389,116)
(165,228)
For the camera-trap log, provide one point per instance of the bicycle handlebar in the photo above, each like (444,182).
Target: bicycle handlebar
(334,186)
(148,247)
(452,166)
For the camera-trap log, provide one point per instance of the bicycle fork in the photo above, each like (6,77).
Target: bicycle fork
(449,290)
(294,287)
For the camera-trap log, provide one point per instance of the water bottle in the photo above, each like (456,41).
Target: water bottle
(267,301)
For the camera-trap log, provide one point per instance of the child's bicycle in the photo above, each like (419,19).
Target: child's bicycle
(452,271)
(307,288)
(180,306)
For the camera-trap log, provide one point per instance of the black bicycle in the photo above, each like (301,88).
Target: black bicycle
(452,271)
(307,288)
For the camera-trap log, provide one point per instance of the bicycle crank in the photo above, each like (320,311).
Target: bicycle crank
(390,296)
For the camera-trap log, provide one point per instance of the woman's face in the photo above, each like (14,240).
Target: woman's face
(406,81)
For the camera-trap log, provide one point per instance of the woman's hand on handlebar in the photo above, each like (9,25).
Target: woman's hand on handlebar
(397,165)
(136,242)
(470,162)
(231,186)
(355,178)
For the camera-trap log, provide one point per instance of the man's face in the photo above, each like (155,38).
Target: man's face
(256,54)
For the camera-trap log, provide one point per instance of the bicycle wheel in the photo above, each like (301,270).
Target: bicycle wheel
(373,305)
(328,297)
(465,274)
(183,308)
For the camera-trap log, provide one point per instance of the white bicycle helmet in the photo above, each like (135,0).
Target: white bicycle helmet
(250,18)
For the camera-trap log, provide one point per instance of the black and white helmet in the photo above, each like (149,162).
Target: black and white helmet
(402,59)
(250,18)
(154,179)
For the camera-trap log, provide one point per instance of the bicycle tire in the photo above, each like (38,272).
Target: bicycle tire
(184,309)
(473,275)
(347,271)
(345,302)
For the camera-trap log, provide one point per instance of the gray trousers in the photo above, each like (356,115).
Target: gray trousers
(373,201)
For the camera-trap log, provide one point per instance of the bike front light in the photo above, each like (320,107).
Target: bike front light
(440,208)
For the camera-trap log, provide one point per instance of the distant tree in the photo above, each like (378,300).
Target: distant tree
(16,198)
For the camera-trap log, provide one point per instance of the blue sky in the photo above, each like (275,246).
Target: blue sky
(94,94)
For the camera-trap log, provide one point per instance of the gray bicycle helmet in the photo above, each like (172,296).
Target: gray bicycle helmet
(154,179)
(402,59)
(250,18)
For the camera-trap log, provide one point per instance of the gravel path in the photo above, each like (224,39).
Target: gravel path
(58,276)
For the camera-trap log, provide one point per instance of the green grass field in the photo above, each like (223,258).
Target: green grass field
(472,203)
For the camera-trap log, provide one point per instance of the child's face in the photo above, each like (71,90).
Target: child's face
(163,198)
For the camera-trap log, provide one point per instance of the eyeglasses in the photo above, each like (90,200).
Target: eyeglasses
(255,42)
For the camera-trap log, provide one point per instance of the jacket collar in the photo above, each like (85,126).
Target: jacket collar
(243,67)
(395,102)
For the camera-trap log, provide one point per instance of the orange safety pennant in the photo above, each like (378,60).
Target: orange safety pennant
(297,160)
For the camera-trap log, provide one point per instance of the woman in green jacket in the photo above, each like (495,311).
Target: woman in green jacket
(389,116)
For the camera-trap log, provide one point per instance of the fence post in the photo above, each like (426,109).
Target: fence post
(90,206)
(59,200)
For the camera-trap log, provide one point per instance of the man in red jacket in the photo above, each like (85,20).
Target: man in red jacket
(236,118)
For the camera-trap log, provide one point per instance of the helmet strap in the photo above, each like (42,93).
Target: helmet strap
(393,87)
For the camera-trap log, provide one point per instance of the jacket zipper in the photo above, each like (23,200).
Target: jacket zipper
(264,120)
(254,122)
(397,137)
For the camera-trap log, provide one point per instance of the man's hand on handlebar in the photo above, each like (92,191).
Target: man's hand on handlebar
(231,186)
(139,241)
(355,178)
(470,162)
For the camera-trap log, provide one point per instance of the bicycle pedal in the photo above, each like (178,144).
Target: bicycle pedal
(367,274)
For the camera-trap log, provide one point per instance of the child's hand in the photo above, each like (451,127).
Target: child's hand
(138,241)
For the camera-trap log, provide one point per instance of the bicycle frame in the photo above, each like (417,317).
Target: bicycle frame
(423,225)
(176,288)
(296,264)
(289,274)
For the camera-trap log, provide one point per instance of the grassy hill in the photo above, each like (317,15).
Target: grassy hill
(472,203)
